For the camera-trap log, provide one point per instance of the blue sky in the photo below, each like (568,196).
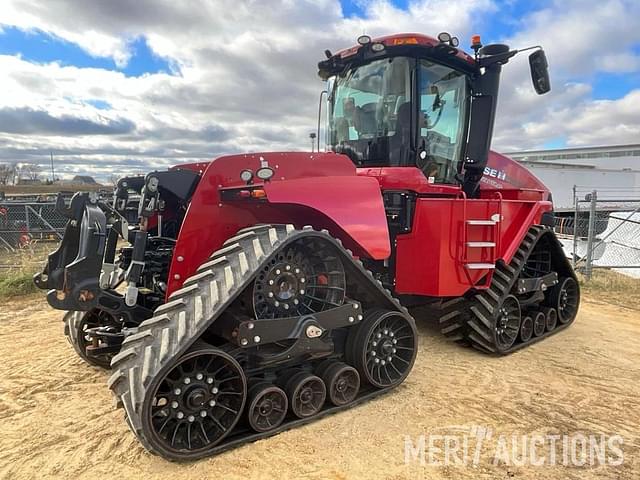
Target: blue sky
(117,86)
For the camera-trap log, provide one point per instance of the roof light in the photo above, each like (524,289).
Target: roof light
(475,40)
(444,37)
(364,39)
(454,41)
(405,41)
(377,47)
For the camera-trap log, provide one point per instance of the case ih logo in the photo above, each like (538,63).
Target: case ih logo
(492,172)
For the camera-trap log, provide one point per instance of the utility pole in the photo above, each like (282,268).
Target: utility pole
(53,172)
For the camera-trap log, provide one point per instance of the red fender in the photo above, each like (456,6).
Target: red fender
(319,189)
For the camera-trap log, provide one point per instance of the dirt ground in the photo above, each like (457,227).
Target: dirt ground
(57,418)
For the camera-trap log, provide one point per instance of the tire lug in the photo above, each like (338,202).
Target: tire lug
(191,418)
(187,380)
(180,415)
(212,403)
(209,380)
(177,391)
(199,376)
(174,404)
(214,390)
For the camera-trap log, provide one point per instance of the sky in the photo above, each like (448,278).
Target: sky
(120,87)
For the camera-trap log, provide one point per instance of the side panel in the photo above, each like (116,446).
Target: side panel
(429,260)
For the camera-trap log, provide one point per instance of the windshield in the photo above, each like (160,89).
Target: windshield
(370,116)
(370,112)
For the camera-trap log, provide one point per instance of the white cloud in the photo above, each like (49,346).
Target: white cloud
(248,74)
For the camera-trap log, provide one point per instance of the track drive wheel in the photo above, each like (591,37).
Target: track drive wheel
(539,323)
(383,348)
(267,407)
(342,382)
(195,403)
(76,325)
(306,393)
(565,298)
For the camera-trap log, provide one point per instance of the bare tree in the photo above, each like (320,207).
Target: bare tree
(7,171)
(31,171)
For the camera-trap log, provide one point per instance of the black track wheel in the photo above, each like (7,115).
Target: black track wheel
(565,298)
(342,382)
(539,323)
(76,325)
(196,403)
(383,348)
(267,407)
(526,329)
(551,318)
(507,326)
(306,393)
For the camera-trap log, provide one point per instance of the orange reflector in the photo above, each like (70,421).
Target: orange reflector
(405,41)
(475,40)
(258,193)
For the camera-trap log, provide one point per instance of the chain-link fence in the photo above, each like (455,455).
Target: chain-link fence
(22,223)
(604,230)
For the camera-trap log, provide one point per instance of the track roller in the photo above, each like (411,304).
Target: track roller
(551,318)
(306,393)
(526,328)
(342,382)
(267,407)
(539,323)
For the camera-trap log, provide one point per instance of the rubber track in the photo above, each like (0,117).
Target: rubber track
(177,324)
(470,320)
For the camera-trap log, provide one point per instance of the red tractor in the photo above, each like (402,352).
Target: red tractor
(261,291)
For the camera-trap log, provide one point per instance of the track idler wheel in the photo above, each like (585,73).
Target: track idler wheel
(539,323)
(195,404)
(76,326)
(508,319)
(306,393)
(565,298)
(342,382)
(551,318)
(526,329)
(267,407)
(383,348)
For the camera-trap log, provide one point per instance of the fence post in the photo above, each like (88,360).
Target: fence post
(575,229)
(591,235)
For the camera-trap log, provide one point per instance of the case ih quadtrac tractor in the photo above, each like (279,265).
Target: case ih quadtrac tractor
(256,292)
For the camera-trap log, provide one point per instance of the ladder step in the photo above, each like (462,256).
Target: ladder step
(481,244)
(480,266)
(481,222)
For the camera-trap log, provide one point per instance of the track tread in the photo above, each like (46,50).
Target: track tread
(470,320)
(191,310)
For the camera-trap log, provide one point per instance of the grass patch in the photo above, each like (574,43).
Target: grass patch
(612,287)
(14,284)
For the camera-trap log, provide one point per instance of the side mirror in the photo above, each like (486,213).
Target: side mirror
(539,72)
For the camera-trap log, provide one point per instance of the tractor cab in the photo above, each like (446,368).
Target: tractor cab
(415,101)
